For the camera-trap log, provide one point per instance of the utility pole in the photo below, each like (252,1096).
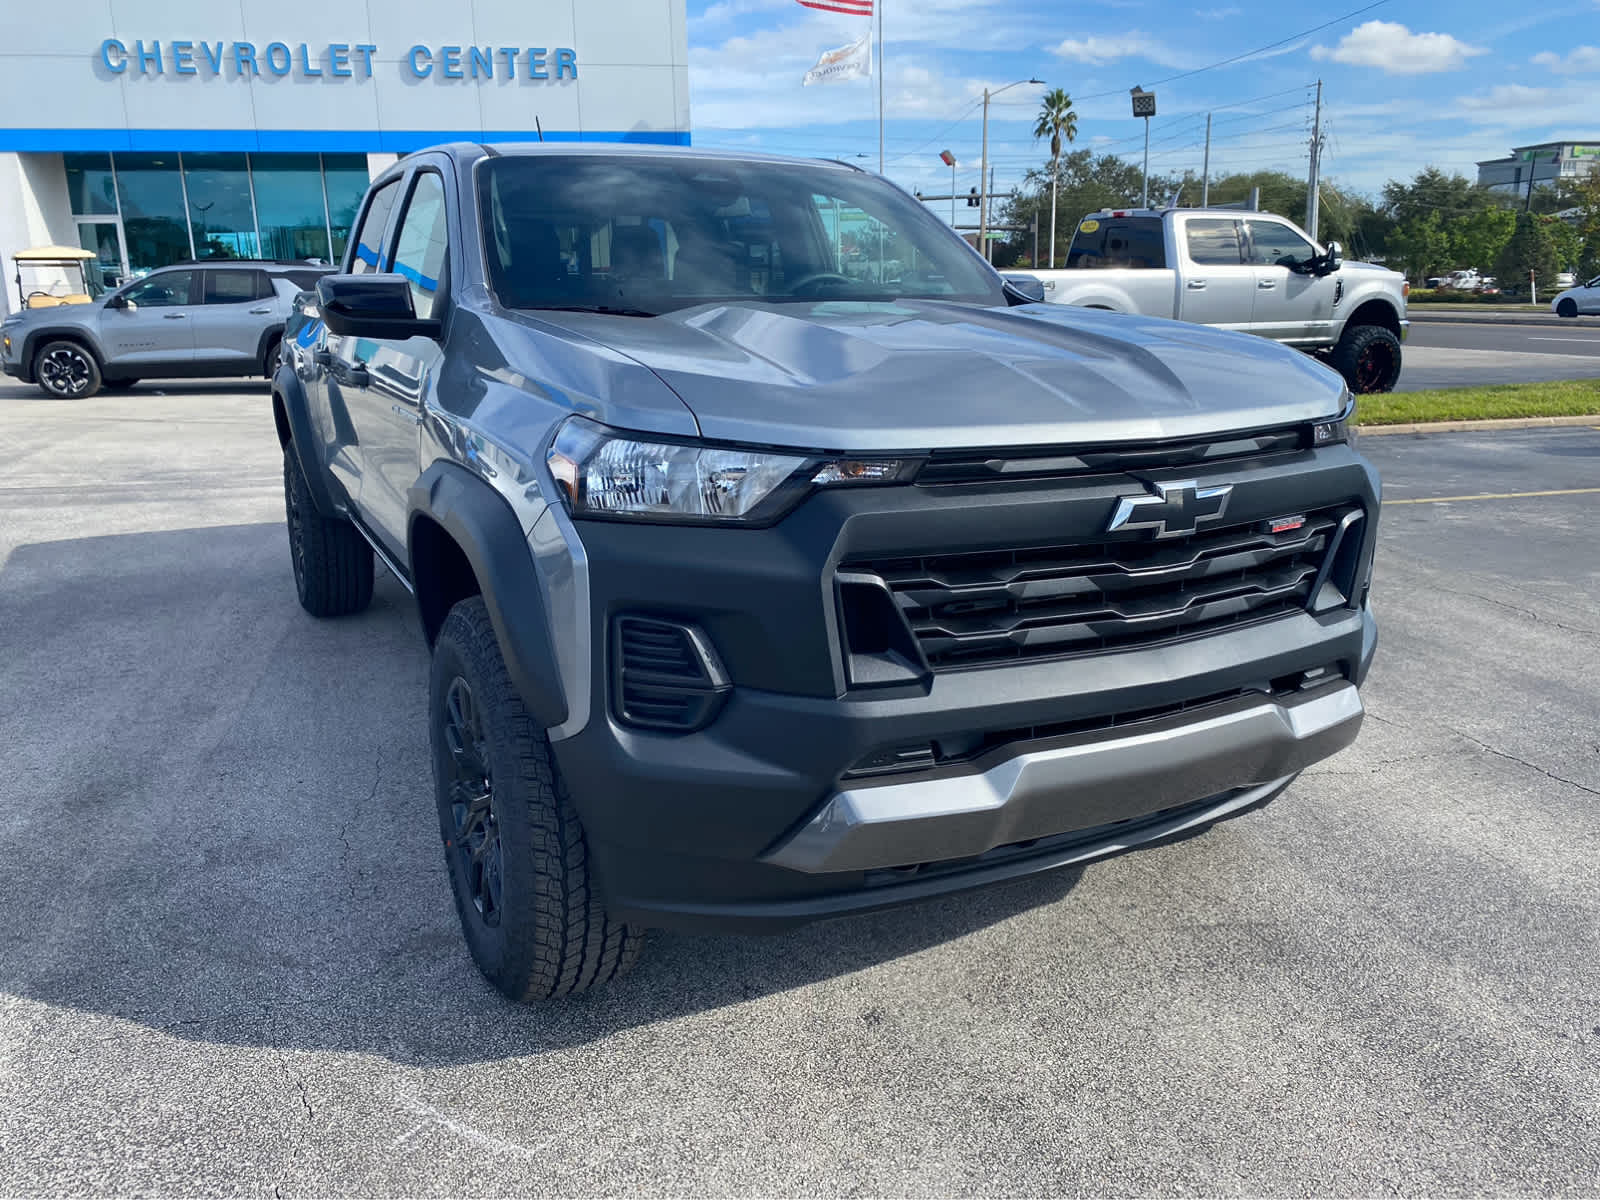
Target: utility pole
(983,181)
(1205,171)
(1313,188)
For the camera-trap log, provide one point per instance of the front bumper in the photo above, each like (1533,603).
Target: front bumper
(1024,794)
(761,820)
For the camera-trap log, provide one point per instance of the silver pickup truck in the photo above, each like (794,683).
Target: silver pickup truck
(1248,271)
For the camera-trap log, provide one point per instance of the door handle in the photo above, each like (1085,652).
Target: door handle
(173,316)
(261,312)
(1266,285)
(410,414)
(1196,285)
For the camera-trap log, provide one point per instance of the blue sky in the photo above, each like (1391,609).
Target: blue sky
(1407,83)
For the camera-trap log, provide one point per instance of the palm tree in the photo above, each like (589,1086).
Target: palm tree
(1056,121)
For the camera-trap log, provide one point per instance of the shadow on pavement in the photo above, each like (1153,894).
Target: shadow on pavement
(14,389)
(218,823)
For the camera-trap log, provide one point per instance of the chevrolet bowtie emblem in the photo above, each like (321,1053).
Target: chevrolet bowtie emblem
(1173,510)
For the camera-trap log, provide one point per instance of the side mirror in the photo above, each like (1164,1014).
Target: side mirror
(1024,289)
(118,301)
(371,306)
(1335,257)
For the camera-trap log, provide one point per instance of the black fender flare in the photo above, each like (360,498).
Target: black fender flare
(70,333)
(480,521)
(289,396)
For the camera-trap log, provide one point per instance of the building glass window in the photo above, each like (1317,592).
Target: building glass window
(89,184)
(153,218)
(220,210)
(289,206)
(346,179)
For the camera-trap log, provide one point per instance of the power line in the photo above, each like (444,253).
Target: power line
(1249,53)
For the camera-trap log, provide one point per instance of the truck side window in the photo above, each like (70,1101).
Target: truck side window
(369,235)
(422,245)
(1273,244)
(1213,243)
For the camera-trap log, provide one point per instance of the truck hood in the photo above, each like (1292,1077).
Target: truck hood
(928,374)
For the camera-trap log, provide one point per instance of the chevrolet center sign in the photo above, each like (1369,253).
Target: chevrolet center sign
(336,60)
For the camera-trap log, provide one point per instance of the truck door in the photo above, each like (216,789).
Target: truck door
(1218,286)
(1290,305)
(335,380)
(388,377)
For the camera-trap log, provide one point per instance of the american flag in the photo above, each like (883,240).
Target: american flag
(858,8)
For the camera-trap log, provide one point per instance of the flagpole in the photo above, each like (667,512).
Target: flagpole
(879,7)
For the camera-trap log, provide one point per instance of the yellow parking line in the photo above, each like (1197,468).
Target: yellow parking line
(1497,496)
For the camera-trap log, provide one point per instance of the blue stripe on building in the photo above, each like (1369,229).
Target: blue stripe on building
(329,141)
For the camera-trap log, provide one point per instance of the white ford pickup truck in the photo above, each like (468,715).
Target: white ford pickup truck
(1249,271)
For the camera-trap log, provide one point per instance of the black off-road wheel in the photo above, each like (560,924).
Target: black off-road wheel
(518,858)
(66,371)
(1567,308)
(1368,356)
(332,563)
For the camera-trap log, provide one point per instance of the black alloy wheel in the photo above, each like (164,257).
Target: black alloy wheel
(475,838)
(66,370)
(1375,367)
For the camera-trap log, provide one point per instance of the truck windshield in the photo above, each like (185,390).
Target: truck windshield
(1118,242)
(644,236)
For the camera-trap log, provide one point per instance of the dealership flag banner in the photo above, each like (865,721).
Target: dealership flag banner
(859,8)
(855,60)
(847,62)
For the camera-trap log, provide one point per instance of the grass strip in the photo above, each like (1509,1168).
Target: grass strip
(1562,398)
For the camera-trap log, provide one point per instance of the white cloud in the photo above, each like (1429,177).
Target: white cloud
(1506,96)
(1584,60)
(1395,50)
(1097,50)
(1218,14)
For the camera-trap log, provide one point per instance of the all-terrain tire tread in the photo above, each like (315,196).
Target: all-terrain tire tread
(336,563)
(570,944)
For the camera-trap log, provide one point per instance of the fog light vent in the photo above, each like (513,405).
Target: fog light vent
(665,675)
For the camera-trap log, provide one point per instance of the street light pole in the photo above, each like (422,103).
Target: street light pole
(983,171)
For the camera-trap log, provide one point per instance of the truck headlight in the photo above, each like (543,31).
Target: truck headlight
(1341,428)
(607,473)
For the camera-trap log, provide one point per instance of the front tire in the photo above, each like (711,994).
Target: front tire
(517,854)
(332,563)
(66,371)
(1368,356)
(1567,308)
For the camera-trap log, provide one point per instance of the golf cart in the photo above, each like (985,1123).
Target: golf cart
(58,275)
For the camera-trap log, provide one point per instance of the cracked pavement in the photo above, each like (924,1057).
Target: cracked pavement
(229,962)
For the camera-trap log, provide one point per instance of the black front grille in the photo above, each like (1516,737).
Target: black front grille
(1048,601)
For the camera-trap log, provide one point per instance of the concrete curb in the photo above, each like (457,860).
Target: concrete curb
(1435,317)
(1478,426)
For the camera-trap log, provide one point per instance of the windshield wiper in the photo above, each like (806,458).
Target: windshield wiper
(607,309)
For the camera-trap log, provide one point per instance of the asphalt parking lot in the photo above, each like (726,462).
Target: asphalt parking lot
(229,962)
(1464,353)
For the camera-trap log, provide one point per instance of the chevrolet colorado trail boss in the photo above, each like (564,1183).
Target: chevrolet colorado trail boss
(777,561)
(1248,271)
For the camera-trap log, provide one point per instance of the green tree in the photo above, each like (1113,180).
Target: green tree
(1057,121)
(1432,191)
(1565,242)
(1531,250)
(1478,239)
(1419,246)
(1587,194)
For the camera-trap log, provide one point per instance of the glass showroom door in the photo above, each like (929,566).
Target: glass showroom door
(110,265)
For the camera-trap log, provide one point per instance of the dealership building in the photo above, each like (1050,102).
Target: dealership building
(155,131)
